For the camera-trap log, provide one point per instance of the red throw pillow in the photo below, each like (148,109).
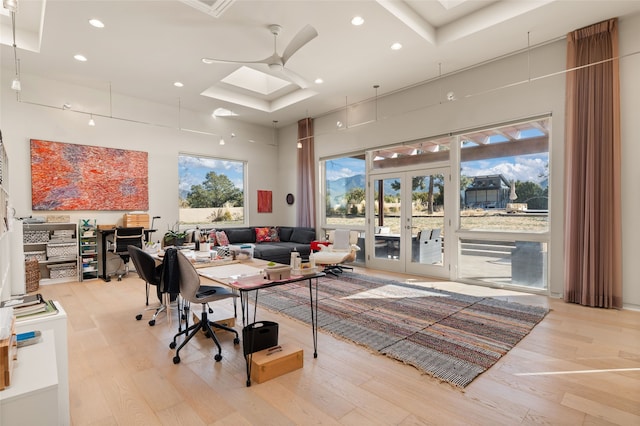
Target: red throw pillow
(263,235)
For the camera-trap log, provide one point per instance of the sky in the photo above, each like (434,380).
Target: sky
(523,168)
(193,169)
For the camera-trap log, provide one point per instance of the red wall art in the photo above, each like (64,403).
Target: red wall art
(264,202)
(80,177)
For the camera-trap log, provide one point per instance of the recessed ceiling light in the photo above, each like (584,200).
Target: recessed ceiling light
(319,81)
(396,46)
(178,84)
(96,23)
(357,21)
(80,58)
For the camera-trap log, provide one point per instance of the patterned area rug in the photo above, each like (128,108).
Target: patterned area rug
(450,336)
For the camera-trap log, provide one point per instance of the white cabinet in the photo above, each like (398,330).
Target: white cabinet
(55,245)
(32,397)
(58,325)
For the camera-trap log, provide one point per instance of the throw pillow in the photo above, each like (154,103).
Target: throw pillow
(273,234)
(263,235)
(212,237)
(302,236)
(221,238)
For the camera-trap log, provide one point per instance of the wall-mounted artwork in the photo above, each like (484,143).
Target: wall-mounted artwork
(80,177)
(264,202)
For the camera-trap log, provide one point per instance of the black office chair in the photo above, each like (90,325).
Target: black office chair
(151,274)
(123,238)
(191,291)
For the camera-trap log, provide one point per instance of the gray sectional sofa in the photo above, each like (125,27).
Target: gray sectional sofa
(291,238)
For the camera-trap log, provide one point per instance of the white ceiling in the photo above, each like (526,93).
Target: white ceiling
(148,45)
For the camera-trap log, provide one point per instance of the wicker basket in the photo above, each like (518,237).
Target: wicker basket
(32,274)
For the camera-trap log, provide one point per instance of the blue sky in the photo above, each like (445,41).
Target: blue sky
(523,168)
(192,171)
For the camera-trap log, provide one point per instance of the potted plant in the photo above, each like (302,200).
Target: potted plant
(173,237)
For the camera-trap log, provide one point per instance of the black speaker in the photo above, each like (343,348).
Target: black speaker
(258,336)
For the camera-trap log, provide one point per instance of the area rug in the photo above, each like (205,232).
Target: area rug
(450,336)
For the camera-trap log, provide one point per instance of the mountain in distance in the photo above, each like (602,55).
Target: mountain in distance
(339,187)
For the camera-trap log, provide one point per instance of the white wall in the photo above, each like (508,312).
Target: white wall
(160,138)
(513,88)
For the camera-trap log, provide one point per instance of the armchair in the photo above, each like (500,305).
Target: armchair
(342,249)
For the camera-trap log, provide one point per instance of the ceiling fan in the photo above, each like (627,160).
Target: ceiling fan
(276,62)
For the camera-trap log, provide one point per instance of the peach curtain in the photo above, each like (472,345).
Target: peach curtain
(593,242)
(306,175)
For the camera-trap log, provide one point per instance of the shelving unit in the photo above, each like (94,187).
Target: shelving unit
(88,239)
(55,245)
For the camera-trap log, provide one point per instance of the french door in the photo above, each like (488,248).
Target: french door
(408,222)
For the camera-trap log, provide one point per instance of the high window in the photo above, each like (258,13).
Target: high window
(211,190)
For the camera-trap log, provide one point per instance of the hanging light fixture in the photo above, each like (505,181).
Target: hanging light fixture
(91,121)
(12,7)
(299,145)
(221,141)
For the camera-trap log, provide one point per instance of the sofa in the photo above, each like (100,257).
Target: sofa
(289,238)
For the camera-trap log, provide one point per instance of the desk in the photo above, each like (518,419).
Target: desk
(245,288)
(104,233)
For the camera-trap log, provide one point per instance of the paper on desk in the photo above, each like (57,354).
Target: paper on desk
(225,272)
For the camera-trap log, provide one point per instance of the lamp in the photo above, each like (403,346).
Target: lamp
(299,145)
(91,121)
(221,141)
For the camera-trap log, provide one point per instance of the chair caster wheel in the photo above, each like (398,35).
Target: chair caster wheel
(172,345)
(119,278)
(236,341)
(139,317)
(176,360)
(152,322)
(218,357)
(207,335)
(210,310)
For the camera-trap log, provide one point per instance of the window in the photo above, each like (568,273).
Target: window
(504,205)
(211,190)
(504,176)
(344,196)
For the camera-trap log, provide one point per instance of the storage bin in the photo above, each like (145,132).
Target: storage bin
(39,255)
(132,220)
(61,250)
(34,237)
(63,270)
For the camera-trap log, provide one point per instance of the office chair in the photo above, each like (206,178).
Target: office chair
(191,291)
(151,274)
(122,238)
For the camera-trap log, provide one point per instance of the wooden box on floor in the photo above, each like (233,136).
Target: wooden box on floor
(276,361)
(229,322)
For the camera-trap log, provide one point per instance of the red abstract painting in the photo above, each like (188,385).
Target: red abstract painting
(264,202)
(79,177)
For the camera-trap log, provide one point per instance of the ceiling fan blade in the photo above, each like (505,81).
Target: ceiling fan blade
(295,78)
(267,61)
(304,36)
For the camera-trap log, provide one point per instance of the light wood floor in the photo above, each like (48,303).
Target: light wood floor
(579,366)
